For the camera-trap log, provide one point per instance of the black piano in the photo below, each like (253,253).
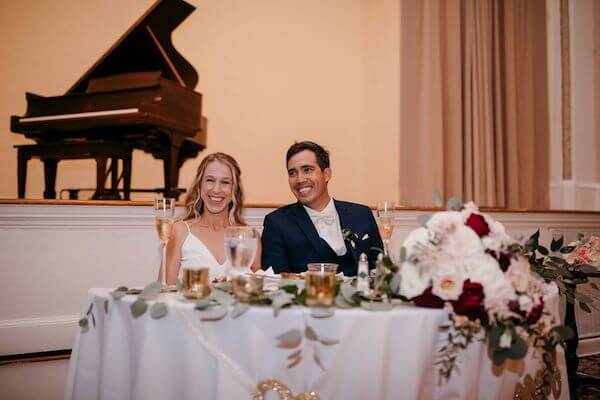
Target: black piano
(138,95)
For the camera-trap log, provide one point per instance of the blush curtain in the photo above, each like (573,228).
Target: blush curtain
(474,109)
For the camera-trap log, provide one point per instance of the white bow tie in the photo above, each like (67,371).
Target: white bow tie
(322,219)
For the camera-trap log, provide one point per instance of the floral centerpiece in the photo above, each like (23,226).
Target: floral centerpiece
(464,261)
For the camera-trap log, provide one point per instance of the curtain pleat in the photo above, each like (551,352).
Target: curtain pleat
(474,117)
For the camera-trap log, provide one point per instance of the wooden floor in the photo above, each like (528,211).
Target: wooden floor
(589,365)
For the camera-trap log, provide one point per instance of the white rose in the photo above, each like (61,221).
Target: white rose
(414,280)
(484,269)
(518,273)
(447,281)
(464,242)
(468,209)
(444,223)
(525,303)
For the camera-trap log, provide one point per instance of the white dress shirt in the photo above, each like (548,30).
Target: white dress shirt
(327,223)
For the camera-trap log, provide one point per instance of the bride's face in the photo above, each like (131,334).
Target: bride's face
(216,187)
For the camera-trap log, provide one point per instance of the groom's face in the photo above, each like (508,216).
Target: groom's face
(307,181)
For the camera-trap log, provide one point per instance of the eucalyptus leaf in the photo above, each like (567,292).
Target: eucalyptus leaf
(158,310)
(322,312)
(518,349)
(202,304)
(318,361)
(239,309)
(437,199)
(295,362)
(310,333)
(151,291)
(119,292)
(543,250)
(224,286)
(402,254)
(222,297)
(454,204)
(348,292)
(280,300)
(84,325)
(295,354)
(289,339)
(138,307)
(564,332)
(340,302)
(395,283)
(329,342)
(423,219)
(376,305)
(213,314)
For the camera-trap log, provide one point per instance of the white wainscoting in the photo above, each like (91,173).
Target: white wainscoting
(50,254)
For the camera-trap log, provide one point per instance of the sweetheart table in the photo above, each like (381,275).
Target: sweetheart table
(354,354)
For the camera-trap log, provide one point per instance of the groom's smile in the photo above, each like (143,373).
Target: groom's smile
(307,181)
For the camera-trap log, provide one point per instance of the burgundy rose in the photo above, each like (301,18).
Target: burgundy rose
(478,224)
(534,314)
(470,302)
(428,300)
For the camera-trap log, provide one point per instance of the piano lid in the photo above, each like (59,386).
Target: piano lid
(147,46)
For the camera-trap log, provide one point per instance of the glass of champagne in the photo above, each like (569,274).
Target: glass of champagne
(164,213)
(320,284)
(385,222)
(240,249)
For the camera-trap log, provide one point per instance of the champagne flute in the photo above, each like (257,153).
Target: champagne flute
(240,249)
(385,222)
(164,212)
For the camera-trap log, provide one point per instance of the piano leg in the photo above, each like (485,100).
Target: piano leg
(114,178)
(127,176)
(50,165)
(171,171)
(100,178)
(22,160)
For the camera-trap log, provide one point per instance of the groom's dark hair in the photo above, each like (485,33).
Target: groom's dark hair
(321,154)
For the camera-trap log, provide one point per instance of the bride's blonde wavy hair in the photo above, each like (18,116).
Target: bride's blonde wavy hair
(194,206)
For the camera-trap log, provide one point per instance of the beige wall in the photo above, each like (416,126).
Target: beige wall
(271,72)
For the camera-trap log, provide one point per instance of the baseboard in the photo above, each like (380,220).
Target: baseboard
(27,335)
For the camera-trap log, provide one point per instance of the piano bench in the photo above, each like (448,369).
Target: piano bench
(51,153)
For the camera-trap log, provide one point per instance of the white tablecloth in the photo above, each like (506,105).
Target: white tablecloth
(380,355)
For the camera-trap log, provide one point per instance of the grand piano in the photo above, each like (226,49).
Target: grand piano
(138,95)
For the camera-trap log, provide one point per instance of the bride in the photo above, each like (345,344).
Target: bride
(213,202)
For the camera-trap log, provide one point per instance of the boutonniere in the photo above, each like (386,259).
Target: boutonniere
(352,237)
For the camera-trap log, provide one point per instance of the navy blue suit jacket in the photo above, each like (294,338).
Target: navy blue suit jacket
(290,239)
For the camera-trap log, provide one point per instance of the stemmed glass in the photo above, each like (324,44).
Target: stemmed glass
(240,249)
(385,222)
(164,212)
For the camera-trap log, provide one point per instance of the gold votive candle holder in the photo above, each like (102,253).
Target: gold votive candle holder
(320,284)
(195,282)
(246,285)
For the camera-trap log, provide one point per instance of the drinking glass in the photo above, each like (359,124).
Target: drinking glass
(385,222)
(320,284)
(164,213)
(240,249)
(195,282)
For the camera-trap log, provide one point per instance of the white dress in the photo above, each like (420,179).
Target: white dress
(194,253)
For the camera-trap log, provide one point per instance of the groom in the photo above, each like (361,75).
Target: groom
(317,228)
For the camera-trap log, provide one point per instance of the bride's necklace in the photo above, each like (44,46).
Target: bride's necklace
(214,228)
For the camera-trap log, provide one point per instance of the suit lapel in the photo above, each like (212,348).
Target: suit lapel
(308,228)
(345,215)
